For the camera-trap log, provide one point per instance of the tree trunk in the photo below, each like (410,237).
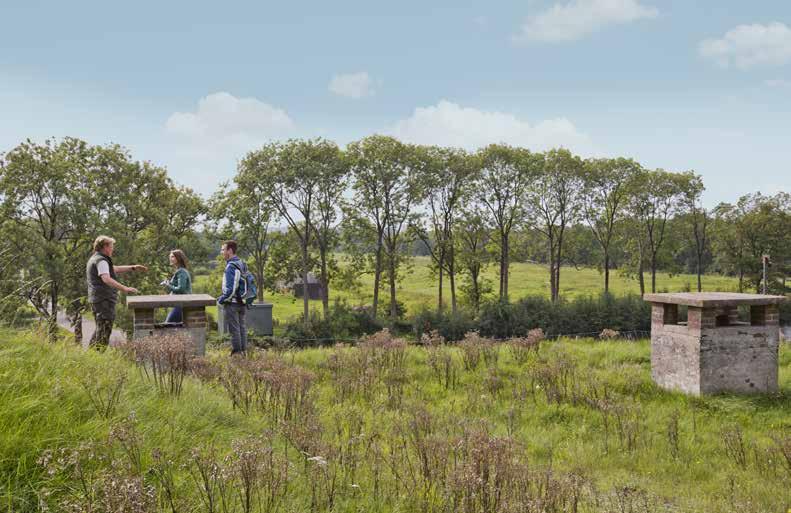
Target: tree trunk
(476,291)
(452,278)
(551,269)
(52,321)
(325,286)
(74,313)
(606,272)
(504,268)
(305,299)
(700,285)
(393,305)
(557,278)
(76,324)
(377,275)
(653,272)
(439,295)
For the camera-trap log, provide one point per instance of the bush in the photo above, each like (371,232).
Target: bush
(452,327)
(585,316)
(344,323)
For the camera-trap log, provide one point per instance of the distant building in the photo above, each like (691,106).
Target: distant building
(315,289)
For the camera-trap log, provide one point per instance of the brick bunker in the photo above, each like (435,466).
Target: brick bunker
(713,351)
(195,323)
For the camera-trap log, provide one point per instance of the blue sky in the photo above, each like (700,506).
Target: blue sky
(680,85)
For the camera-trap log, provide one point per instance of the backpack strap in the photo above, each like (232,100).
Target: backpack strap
(241,277)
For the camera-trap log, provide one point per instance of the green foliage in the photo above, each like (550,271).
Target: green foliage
(585,316)
(448,325)
(343,324)
(56,197)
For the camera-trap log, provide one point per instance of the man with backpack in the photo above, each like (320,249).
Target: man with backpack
(238,291)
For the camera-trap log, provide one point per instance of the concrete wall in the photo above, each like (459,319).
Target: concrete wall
(675,358)
(741,359)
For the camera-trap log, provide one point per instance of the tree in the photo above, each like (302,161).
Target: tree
(654,198)
(47,207)
(331,184)
(293,172)
(501,183)
(445,180)
(553,204)
(756,225)
(245,213)
(58,196)
(384,191)
(473,250)
(698,218)
(605,193)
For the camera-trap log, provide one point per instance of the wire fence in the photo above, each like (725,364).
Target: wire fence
(631,335)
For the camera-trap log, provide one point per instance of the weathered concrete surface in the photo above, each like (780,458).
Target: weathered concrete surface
(169,301)
(713,299)
(740,359)
(713,352)
(195,323)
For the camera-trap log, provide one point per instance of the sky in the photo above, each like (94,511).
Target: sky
(193,86)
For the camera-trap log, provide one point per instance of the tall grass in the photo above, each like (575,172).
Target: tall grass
(527,425)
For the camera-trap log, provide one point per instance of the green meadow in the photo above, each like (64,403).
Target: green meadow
(419,288)
(569,426)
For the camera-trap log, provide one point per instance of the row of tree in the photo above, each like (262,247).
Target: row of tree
(373,200)
(375,203)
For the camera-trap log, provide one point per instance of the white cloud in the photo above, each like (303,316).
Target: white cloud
(222,115)
(352,85)
(748,46)
(205,145)
(449,124)
(579,18)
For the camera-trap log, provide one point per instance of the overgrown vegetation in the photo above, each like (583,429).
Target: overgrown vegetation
(527,425)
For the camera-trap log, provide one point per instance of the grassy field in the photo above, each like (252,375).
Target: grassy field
(576,426)
(419,288)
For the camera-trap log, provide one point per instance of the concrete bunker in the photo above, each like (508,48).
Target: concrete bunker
(713,351)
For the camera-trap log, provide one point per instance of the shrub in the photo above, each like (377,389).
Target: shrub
(583,315)
(452,327)
(344,323)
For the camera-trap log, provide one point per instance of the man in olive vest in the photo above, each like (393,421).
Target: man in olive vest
(103,288)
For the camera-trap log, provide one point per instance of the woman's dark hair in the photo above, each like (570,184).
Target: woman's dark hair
(181,258)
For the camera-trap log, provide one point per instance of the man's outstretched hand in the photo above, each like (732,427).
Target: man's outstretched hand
(139,267)
(131,290)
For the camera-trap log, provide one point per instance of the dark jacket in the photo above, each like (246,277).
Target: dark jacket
(180,283)
(98,290)
(230,281)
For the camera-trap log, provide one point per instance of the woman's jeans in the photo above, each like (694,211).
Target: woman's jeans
(175,315)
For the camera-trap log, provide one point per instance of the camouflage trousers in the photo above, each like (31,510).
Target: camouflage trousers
(104,315)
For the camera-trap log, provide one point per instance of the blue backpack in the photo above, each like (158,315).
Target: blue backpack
(247,291)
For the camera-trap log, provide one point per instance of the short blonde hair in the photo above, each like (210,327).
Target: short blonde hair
(102,241)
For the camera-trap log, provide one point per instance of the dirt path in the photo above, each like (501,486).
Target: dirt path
(88,327)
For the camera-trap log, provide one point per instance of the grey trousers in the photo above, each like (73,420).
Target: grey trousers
(234,322)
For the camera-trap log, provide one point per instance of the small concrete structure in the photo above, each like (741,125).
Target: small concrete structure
(713,352)
(195,323)
(315,288)
(258,318)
